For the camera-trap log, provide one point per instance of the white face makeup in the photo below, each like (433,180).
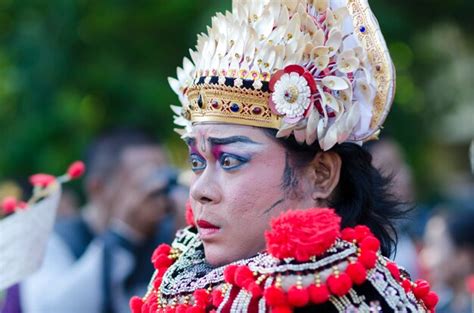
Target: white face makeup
(236,188)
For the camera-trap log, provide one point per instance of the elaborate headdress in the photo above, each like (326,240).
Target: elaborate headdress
(317,69)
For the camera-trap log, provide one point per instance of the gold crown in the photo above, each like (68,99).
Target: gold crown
(230,104)
(317,69)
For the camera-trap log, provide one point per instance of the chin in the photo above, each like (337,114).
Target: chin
(216,256)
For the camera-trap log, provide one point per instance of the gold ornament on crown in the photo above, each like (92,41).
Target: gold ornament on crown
(316,69)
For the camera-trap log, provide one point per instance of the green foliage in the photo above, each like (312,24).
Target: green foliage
(73,68)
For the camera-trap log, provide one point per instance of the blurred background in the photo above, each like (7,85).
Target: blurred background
(73,69)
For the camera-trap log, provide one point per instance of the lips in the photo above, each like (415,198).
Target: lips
(207,229)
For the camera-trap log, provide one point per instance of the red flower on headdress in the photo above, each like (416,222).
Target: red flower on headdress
(302,234)
(42,180)
(292,89)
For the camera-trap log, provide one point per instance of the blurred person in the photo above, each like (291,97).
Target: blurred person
(448,255)
(96,261)
(388,157)
(68,204)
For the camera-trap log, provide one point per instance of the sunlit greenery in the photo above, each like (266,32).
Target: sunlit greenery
(70,69)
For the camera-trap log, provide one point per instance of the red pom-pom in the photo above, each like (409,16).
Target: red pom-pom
(302,234)
(9,205)
(431,300)
(136,304)
(368,258)
(229,274)
(243,276)
(189,214)
(217,297)
(340,284)
(181,308)
(318,294)
(421,288)
(298,297)
(202,297)
(160,256)
(162,260)
(394,270)
(370,243)
(42,180)
(170,309)
(195,309)
(361,231)
(275,296)
(157,282)
(470,284)
(76,169)
(348,234)
(406,284)
(255,290)
(281,309)
(357,272)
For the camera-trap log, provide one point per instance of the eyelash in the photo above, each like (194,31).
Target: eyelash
(199,164)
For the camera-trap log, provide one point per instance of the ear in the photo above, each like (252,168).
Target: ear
(325,173)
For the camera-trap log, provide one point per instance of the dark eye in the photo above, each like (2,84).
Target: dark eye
(197,163)
(229,162)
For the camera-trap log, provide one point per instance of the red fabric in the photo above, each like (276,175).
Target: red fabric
(302,234)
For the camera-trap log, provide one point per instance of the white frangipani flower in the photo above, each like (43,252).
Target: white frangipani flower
(292,95)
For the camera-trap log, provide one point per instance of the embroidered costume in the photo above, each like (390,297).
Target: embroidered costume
(315,267)
(317,70)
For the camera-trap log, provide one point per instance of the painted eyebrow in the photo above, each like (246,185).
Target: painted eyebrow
(230,140)
(190,141)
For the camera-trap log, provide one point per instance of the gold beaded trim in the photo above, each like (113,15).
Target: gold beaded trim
(227,104)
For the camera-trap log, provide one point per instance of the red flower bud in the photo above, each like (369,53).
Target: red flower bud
(76,169)
(298,297)
(340,284)
(318,294)
(42,180)
(9,205)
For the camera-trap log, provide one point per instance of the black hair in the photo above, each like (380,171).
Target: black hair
(102,156)
(362,196)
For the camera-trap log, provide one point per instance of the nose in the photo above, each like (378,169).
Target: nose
(205,189)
